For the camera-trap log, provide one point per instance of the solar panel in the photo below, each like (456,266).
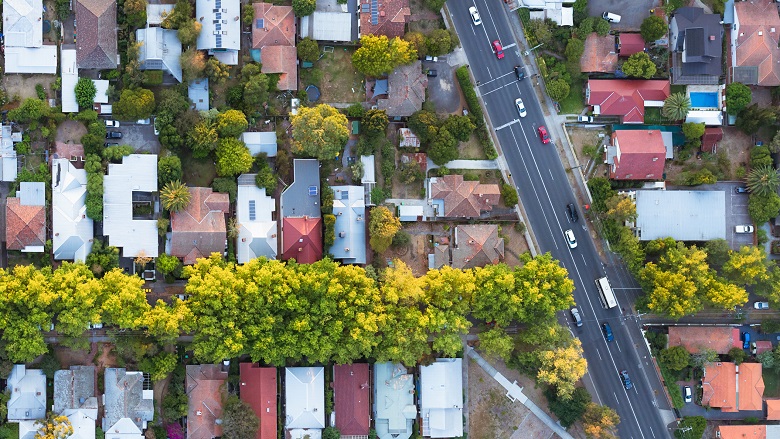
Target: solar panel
(260,23)
(218,4)
(365,7)
(252,210)
(218,26)
(313,190)
(219,41)
(374,12)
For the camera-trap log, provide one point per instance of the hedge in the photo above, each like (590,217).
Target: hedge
(464,79)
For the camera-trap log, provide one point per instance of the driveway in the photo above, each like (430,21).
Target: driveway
(632,13)
(140,137)
(442,90)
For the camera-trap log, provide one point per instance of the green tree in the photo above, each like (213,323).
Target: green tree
(439,42)
(763,180)
(675,358)
(103,258)
(382,227)
(319,132)
(265,177)
(620,208)
(460,127)
(175,196)
(135,11)
(182,12)
(217,72)
(302,8)
(676,106)
(738,97)
(231,123)
(737,355)
(203,139)
(308,50)
(558,89)
(443,147)
(717,252)
(653,28)
(32,109)
(134,104)
(167,264)
(255,90)
(767,359)
(239,420)
(639,65)
(704,356)
(193,64)
(690,426)
(496,343)
(168,169)
(509,194)
(233,157)
(378,54)
(425,124)
(574,49)
(693,130)
(763,207)
(601,190)
(570,410)
(188,33)
(85,92)
(417,40)
(601,27)
(160,365)
(760,156)
(375,122)
(752,118)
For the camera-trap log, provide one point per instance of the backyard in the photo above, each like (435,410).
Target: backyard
(771,382)
(197,172)
(573,103)
(337,80)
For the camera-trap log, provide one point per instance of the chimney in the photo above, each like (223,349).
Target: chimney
(712,37)
(243,239)
(199,413)
(760,33)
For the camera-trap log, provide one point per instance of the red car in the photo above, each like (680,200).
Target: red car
(498,49)
(543,135)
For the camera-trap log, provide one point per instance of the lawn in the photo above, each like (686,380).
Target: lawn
(337,79)
(771,382)
(573,104)
(471,149)
(678,89)
(197,172)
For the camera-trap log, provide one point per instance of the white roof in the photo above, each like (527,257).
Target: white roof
(410,213)
(83,422)
(160,50)
(70,76)
(154,13)
(136,173)
(28,394)
(260,142)
(22,23)
(198,92)
(28,429)
(8,161)
(256,233)
(709,117)
(441,388)
(369,169)
(31,59)
(221,32)
(327,26)
(305,398)
(682,215)
(72,229)
(125,428)
(101,96)
(349,245)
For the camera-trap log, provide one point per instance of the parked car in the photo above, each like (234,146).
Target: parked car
(761,305)
(475,16)
(573,215)
(432,58)
(144,121)
(745,340)
(741,190)
(687,394)
(543,134)
(95,325)
(520,73)
(743,229)
(612,18)
(753,348)
(520,107)
(575,315)
(607,330)
(498,49)
(625,379)
(156,129)
(570,239)
(584,118)
(107,144)
(113,135)
(432,73)
(112,123)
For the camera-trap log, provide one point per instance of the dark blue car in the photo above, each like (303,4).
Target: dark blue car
(607,330)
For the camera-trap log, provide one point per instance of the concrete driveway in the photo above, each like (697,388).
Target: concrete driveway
(140,137)
(442,90)
(632,13)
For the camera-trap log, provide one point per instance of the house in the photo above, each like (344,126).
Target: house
(697,338)
(72,230)
(8,161)
(127,405)
(160,50)
(301,214)
(205,387)
(368,180)
(69,72)
(273,34)
(386,18)
(349,208)
(156,13)
(394,409)
(408,139)
(257,227)
(441,402)
(257,143)
(559,11)
(747,431)
(772,409)
(221,31)
(474,246)
(733,388)
(599,55)
(710,117)
(682,215)
(406,90)
(23,33)
(198,92)
(129,205)
(755,54)
(455,198)
(75,397)
(351,392)
(636,155)
(751,387)
(626,98)
(710,139)
(258,389)
(762,346)
(629,44)
(27,403)
(411,213)
(96,45)
(696,40)
(327,26)
(25,218)
(304,395)
(200,229)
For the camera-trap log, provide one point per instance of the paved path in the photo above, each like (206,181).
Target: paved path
(466,164)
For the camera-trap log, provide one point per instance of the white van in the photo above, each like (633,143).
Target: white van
(609,16)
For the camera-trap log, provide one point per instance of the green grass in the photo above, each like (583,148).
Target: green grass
(573,104)
(678,89)
(197,172)
(771,383)
(674,390)
(341,82)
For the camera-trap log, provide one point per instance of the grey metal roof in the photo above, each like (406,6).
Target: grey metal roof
(160,50)
(297,199)
(32,194)
(745,74)
(126,399)
(258,142)
(74,389)
(349,245)
(394,409)
(682,215)
(198,92)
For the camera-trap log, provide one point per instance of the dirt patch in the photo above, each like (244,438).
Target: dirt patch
(413,190)
(580,138)
(22,86)
(471,150)
(415,254)
(423,19)
(70,131)
(514,244)
(732,154)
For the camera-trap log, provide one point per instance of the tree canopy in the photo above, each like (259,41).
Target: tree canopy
(319,132)
(738,97)
(378,55)
(86,91)
(639,65)
(134,104)
(653,28)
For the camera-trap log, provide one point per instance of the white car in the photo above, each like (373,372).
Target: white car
(144,121)
(112,123)
(475,16)
(687,393)
(743,229)
(569,234)
(761,305)
(520,107)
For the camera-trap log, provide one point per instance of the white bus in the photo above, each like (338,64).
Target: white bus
(606,294)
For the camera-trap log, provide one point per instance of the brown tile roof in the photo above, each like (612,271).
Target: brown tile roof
(96,34)
(751,387)
(391,17)
(351,390)
(24,225)
(278,26)
(642,155)
(712,135)
(205,388)
(719,338)
(759,16)
(259,390)
(626,97)
(477,246)
(302,239)
(463,199)
(68,151)
(742,431)
(763,346)
(773,409)
(406,90)
(599,54)
(281,59)
(720,386)
(200,230)
(631,44)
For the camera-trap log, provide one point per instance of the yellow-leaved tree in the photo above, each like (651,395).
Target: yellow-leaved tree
(54,427)
(562,367)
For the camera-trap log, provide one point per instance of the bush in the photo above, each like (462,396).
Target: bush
(509,194)
(330,230)
(568,411)
(558,89)
(226,185)
(152,77)
(477,116)
(40,92)
(356,110)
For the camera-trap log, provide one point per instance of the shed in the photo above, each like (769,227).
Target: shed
(410,213)
(355,127)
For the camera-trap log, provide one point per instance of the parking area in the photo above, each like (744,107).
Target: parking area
(736,212)
(632,13)
(442,91)
(140,137)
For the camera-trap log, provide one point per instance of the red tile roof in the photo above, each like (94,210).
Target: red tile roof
(757,39)
(712,135)
(96,45)
(741,431)
(200,229)
(478,245)
(719,386)
(68,151)
(772,409)
(751,387)
(631,44)
(281,59)
(302,239)
(259,390)
(719,338)
(626,98)
(205,389)
(278,26)
(599,54)
(464,199)
(763,346)
(24,225)
(640,155)
(351,392)
(391,18)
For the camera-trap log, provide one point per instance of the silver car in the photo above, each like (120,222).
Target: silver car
(520,107)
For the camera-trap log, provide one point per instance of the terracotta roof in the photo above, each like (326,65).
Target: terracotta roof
(712,135)
(751,387)
(302,239)
(281,59)
(757,39)
(200,230)
(718,338)
(641,155)
(278,26)
(631,44)
(24,225)
(763,346)
(477,246)
(351,390)
(205,388)
(742,431)
(772,409)
(420,157)
(391,17)
(463,199)
(96,46)
(258,389)
(406,90)
(720,386)
(626,98)
(599,54)
(68,151)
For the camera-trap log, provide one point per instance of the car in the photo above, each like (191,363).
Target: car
(113,135)
(432,58)
(740,190)
(107,144)
(570,238)
(475,16)
(612,18)
(573,216)
(498,49)
(687,394)
(432,73)
(520,107)
(543,134)
(753,348)
(626,380)
(575,315)
(144,121)
(745,340)
(743,229)
(91,325)
(761,305)
(584,118)
(520,73)
(156,129)
(607,330)
(112,123)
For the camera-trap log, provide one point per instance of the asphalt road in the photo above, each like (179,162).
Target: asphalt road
(545,192)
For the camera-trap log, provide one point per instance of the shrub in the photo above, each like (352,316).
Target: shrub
(509,194)
(226,185)
(330,230)
(477,116)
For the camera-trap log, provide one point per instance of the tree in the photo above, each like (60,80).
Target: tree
(561,368)
(558,89)
(54,427)
(265,177)
(574,49)
(217,72)
(599,421)
(639,65)
(231,123)
(737,355)
(717,252)
(767,359)
(193,64)
(203,139)
(509,194)
(675,358)
(331,433)
(763,180)
(239,420)
(168,169)
(570,410)
(255,90)
(760,156)
(761,207)
(159,366)
(752,118)
(460,127)
(693,130)
(690,426)
(738,97)
(175,196)
(233,157)
(308,50)
(496,343)
(134,104)
(32,109)
(319,132)
(382,227)
(103,258)
(601,190)
(188,32)
(375,122)
(676,106)
(747,266)
(601,27)
(424,124)
(302,8)
(378,54)
(135,11)
(182,12)
(620,208)
(439,42)
(653,28)
(85,92)
(417,40)
(443,148)
(704,356)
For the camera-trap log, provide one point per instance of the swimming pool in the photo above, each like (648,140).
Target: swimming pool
(700,99)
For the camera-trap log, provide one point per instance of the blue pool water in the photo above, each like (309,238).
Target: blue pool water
(704,99)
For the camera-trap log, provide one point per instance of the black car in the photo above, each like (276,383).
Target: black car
(741,190)
(107,144)
(520,73)
(113,135)
(573,216)
(432,73)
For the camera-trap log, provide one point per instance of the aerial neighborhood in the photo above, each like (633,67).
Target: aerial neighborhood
(393,219)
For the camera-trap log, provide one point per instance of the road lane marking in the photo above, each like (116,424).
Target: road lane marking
(616,398)
(583,259)
(507,124)
(551,176)
(510,46)
(494,79)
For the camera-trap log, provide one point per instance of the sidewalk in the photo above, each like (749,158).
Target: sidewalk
(465,164)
